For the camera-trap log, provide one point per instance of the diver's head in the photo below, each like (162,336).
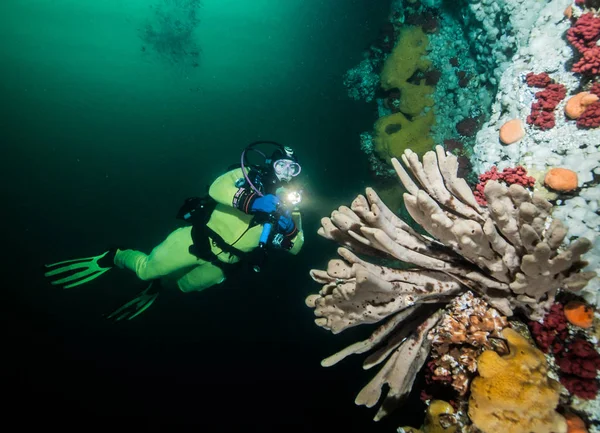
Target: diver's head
(285,164)
(280,168)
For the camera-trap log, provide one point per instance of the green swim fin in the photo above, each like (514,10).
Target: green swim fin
(90,269)
(139,304)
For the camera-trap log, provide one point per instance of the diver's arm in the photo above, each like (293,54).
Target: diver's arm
(224,191)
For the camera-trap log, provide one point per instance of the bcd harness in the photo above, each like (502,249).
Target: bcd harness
(197,211)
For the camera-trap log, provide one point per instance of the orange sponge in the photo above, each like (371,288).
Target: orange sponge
(577,104)
(576,424)
(512,131)
(561,179)
(579,314)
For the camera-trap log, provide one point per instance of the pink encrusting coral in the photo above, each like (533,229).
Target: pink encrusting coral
(590,118)
(552,332)
(509,176)
(550,97)
(576,358)
(580,359)
(589,64)
(584,34)
(579,365)
(582,388)
(542,110)
(538,80)
(542,119)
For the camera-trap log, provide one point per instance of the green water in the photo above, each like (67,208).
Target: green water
(103,136)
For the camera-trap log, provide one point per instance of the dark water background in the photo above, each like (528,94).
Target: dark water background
(101,141)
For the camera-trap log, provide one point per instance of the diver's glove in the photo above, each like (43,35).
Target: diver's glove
(267,204)
(91,268)
(286,224)
(139,304)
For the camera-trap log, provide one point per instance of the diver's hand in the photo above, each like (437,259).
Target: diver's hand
(286,224)
(267,204)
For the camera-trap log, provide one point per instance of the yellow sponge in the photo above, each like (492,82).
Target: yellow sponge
(406,58)
(513,393)
(395,132)
(435,412)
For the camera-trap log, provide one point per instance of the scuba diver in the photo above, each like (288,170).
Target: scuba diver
(248,210)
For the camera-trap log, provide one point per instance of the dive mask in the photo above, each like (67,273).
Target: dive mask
(286,169)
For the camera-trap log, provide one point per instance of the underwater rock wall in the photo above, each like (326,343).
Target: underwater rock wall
(565,145)
(480,274)
(516,101)
(470,44)
(480,53)
(495,29)
(479,38)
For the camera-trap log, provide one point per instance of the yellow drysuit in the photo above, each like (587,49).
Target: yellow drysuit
(172,262)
